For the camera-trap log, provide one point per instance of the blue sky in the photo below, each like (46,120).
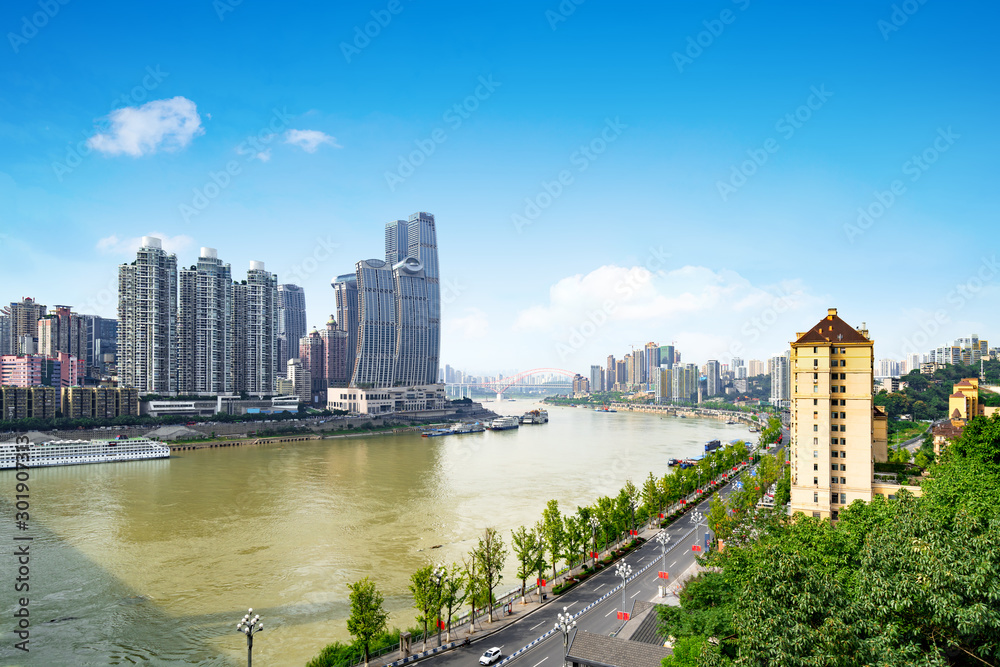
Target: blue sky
(584,166)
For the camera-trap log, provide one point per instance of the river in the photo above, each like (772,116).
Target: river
(156,561)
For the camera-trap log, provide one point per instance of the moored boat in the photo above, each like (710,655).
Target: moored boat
(504,423)
(79,452)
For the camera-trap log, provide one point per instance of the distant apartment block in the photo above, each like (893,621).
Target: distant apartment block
(291,321)
(23,325)
(205,328)
(28,402)
(99,402)
(33,370)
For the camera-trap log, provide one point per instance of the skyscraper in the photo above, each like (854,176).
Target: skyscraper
(205,327)
(412,347)
(311,354)
(63,331)
(260,331)
(376,356)
(345,289)
(335,354)
(667,355)
(5,342)
(779,380)
(24,316)
(147,320)
(291,321)
(397,245)
(713,387)
(652,358)
(422,244)
(102,343)
(596,378)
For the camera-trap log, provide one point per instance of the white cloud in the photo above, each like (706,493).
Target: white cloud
(309,140)
(711,314)
(473,325)
(112,245)
(161,124)
(264,155)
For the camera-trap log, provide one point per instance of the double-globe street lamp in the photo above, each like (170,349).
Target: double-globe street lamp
(663,539)
(438,576)
(250,626)
(564,625)
(698,518)
(594,523)
(623,570)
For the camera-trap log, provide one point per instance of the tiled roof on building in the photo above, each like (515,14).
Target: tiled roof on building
(832,329)
(600,651)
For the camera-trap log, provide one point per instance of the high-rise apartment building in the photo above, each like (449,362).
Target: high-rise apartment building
(63,331)
(24,316)
(756,367)
(301,379)
(833,423)
(713,377)
(291,321)
(334,355)
(259,330)
(376,352)
(412,303)
(397,246)
(610,373)
(205,327)
(5,343)
(421,237)
(147,320)
(312,356)
(667,356)
(780,378)
(345,290)
(102,344)
(596,378)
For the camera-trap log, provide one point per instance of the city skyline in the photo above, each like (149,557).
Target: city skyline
(573,186)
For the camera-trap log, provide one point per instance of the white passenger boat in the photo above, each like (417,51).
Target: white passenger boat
(78,452)
(504,423)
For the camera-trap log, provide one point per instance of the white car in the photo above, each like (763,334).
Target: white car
(491,656)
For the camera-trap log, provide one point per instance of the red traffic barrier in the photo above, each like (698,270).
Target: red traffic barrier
(696,547)
(623,616)
(664,575)
(699,490)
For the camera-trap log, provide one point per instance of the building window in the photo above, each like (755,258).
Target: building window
(834,441)
(815,363)
(843,480)
(815,497)
(843,499)
(815,441)
(816,481)
(815,401)
(833,515)
(843,455)
(816,466)
(843,441)
(843,467)
(815,427)
(833,466)
(815,515)
(815,376)
(815,453)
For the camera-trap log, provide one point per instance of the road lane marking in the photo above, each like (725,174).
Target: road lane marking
(571,604)
(537,626)
(600,587)
(636,593)
(610,612)
(541,661)
(674,563)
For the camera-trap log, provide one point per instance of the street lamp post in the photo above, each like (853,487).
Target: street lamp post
(698,517)
(250,626)
(564,625)
(593,529)
(623,570)
(438,576)
(663,538)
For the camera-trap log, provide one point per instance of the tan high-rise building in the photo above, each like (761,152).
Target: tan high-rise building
(833,420)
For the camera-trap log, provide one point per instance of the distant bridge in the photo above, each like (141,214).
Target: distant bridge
(500,386)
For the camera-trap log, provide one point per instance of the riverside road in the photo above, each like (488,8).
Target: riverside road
(602,618)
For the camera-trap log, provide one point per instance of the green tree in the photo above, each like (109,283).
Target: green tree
(368,618)
(490,555)
(453,594)
(553,533)
(576,532)
(528,550)
(651,499)
(426,597)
